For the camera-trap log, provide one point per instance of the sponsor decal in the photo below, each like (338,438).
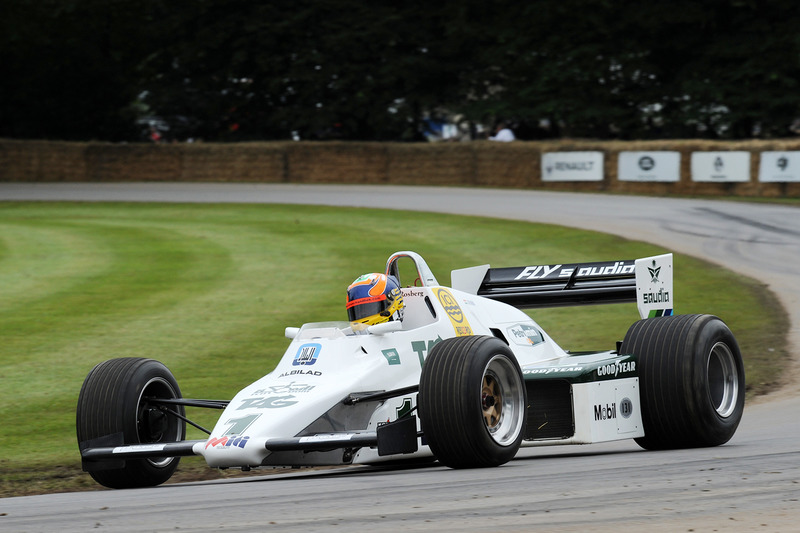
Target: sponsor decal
(539,272)
(525,335)
(626,408)
(616,368)
(655,166)
(728,166)
(272,402)
(327,437)
(779,167)
(289,388)
(659,297)
(552,370)
(656,295)
(301,373)
(227,442)
(605,412)
(391,356)
(423,347)
(454,312)
(139,448)
(646,163)
(411,293)
(572,166)
(655,270)
(307,354)
(566,271)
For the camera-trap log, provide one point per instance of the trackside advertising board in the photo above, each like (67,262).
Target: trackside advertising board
(721,166)
(649,166)
(572,166)
(779,167)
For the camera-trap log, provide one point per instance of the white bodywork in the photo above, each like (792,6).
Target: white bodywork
(327,362)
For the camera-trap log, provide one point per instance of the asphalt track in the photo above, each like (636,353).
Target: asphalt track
(750,484)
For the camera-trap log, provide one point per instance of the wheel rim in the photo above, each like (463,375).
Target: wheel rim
(152,424)
(723,379)
(501,400)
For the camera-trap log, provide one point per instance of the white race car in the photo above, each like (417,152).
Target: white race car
(464,377)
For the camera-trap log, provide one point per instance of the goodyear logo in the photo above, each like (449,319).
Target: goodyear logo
(454,312)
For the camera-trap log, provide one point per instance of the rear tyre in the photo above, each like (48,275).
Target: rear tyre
(472,402)
(115,400)
(691,380)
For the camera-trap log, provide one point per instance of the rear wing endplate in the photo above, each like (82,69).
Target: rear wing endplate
(646,281)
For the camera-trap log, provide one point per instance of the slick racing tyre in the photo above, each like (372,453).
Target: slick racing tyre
(472,402)
(115,401)
(691,380)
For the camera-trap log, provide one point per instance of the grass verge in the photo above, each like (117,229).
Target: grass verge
(208,290)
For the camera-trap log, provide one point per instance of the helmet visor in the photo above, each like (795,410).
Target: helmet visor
(366,307)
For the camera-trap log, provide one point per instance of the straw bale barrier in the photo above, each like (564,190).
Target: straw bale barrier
(477,164)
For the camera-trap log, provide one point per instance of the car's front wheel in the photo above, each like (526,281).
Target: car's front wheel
(117,399)
(472,402)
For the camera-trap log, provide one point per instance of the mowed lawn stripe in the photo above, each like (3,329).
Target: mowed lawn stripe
(209,289)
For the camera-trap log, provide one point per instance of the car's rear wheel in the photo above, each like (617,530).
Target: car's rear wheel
(116,399)
(691,380)
(472,402)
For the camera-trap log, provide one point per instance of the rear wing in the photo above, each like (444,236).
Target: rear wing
(646,281)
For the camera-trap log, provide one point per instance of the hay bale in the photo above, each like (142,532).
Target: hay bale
(241,162)
(336,162)
(132,162)
(515,164)
(438,164)
(41,161)
(482,164)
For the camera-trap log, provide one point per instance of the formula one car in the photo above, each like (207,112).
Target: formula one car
(459,374)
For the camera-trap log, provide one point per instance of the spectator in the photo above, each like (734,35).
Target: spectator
(155,136)
(502,133)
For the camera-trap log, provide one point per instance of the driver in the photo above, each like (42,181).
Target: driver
(372,299)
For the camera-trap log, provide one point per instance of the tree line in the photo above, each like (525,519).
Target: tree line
(236,70)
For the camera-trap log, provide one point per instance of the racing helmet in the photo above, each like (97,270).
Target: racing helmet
(372,299)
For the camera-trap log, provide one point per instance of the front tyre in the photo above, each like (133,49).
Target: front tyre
(116,398)
(472,402)
(691,380)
